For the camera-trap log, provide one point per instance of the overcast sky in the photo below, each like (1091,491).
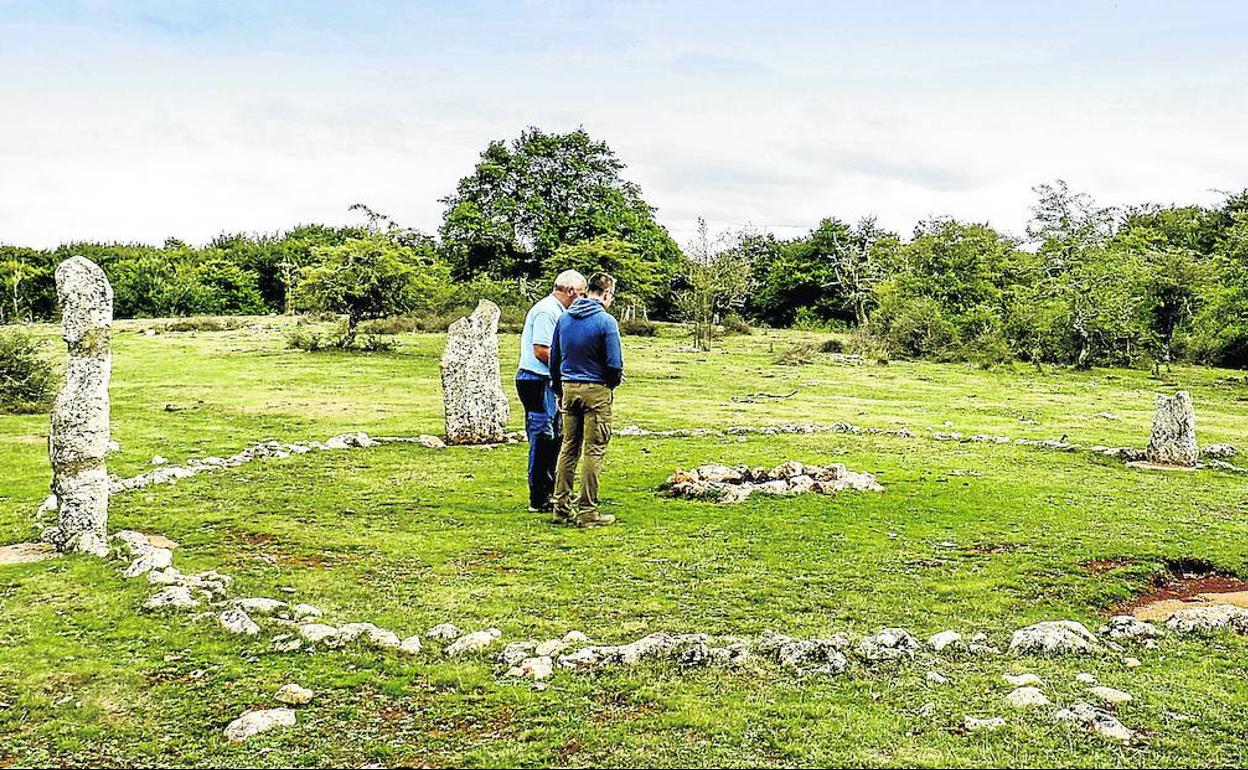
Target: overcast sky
(143,120)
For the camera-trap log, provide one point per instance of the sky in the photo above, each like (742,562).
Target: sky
(138,121)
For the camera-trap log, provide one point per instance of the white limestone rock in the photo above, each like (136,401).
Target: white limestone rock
(1023,680)
(1110,695)
(319,633)
(475,404)
(293,695)
(171,598)
(1096,721)
(976,724)
(889,644)
(410,645)
(444,631)
(253,723)
(1027,697)
(539,668)
(262,606)
(238,622)
(1057,637)
(1127,627)
(473,642)
(950,640)
(1206,619)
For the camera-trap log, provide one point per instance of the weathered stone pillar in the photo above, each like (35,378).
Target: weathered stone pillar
(1173,441)
(472,391)
(78,440)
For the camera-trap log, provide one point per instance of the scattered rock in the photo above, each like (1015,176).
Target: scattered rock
(444,631)
(431,442)
(1110,695)
(305,612)
(1218,452)
(1057,637)
(252,723)
(1085,678)
(473,642)
(410,645)
(237,622)
(975,724)
(293,695)
(1095,720)
(319,633)
(171,598)
(1027,697)
(935,677)
(539,668)
(946,640)
(1208,618)
(260,605)
(1023,680)
(889,644)
(1128,627)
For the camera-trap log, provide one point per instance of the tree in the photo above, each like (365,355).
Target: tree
(542,191)
(716,279)
(643,283)
(15,271)
(371,277)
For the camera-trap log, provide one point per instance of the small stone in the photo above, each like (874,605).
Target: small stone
(237,622)
(473,642)
(444,631)
(319,633)
(935,677)
(173,598)
(946,639)
(431,442)
(889,644)
(153,558)
(926,710)
(1060,637)
(305,612)
(515,652)
(1132,662)
(1023,680)
(287,643)
(551,647)
(293,695)
(252,723)
(1110,695)
(410,645)
(1095,720)
(1128,627)
(975,724)
(1085,678)
(260,605)
(1027,697)
(538,669)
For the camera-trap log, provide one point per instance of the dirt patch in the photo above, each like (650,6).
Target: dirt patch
(25,553)
(620,706)
(1186,582)
(991,549)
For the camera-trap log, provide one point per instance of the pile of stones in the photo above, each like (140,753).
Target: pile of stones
(733,485)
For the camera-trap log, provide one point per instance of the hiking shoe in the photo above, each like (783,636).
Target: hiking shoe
(563,517)
(591,520)
(542,509)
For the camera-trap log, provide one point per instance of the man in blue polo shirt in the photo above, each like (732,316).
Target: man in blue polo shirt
(541,411)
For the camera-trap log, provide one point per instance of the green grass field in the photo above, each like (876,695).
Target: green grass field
(973,537)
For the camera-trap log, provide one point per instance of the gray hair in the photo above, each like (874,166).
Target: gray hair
(570,280)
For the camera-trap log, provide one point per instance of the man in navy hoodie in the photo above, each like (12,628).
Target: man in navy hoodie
(585,366)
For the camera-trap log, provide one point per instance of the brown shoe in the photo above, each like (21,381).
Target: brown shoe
(591,520)
(563,517)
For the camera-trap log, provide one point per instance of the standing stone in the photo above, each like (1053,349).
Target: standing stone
(78,438)
(472,391)
(1173,441)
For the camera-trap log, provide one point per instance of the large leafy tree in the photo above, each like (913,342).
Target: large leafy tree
(527,198)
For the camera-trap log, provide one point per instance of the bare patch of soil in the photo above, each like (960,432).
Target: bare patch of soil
(25,553)
(1186,582)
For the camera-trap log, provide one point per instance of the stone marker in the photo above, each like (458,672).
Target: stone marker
(1173,440)
(78,437)
(472,391)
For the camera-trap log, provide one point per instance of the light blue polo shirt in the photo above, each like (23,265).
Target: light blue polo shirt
(539,328)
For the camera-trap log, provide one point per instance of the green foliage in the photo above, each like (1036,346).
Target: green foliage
(371,277)
(526,199)
(643,282)
(913,326)
(27,378)
(639,327)
(716,281)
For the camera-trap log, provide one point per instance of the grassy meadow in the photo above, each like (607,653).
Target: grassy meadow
(974,537)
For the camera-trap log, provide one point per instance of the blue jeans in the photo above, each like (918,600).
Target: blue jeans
(541,424)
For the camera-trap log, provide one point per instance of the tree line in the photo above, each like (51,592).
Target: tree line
(1085,285)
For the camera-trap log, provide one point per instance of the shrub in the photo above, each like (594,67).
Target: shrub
(734,324)
(913,326)
(832,345)
(203,324)
(305,339)
(798,355)
(639,327)
(989,348)
(27,379)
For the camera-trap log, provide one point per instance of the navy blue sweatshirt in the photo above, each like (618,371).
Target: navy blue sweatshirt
(586,346)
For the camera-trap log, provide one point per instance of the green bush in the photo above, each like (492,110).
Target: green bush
(639,327)
(913,326)
(832,345)
(27,378)
(734,324)
(306,339)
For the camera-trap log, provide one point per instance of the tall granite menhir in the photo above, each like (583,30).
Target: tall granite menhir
(1173,440)
(472,391)
(78,440)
